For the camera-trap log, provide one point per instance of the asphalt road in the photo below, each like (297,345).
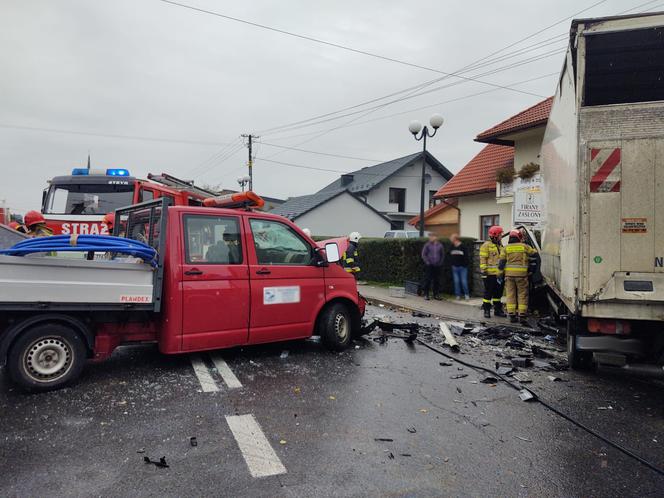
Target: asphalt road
(310,423)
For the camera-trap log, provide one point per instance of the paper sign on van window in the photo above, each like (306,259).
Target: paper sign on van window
(281,295)
(634,225)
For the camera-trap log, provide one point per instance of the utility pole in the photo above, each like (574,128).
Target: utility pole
(250,163)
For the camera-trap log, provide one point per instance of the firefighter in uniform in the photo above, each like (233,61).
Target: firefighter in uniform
(109,221)
(351,258)
(492,260)
(516,276)
(36,224)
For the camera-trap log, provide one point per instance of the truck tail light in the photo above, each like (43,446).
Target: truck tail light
(609,327)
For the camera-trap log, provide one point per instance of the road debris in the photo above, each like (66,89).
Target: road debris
(449,337)
(193,441)
(412,430)
(458,376)
(553,378)
(526,395)
(284,354)
(384,439)
(489,380)
(524,439)
(522,377)
(160,464)
(445,364)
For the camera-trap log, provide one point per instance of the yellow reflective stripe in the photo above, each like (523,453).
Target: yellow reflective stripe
(483,265)
(486,301)
(350,260)
(512,249)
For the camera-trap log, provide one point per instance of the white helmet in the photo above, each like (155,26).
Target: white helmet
(355,237)
(307,232)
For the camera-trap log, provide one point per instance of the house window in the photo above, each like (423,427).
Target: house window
(396,225)
(432,200)
(398,197)
(487,222)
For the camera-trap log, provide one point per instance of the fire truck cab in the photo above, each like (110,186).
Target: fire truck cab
(76,204)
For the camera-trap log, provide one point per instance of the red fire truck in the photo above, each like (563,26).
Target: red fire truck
(224,278)
(77,203)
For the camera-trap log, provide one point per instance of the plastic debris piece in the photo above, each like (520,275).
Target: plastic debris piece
(549,338)
(503,370)
(445,364)
(524,439)
(282,441)
(140,450)
(489,380)
(160,464)
(391,456)
(458,376)
(522,377)
(424,410)
(412,430)
(449,337)
(609,407)
(526,395)
(405,454)
(193,441)
(521,362)
(553,378)
(420,314)
(297,390)
(284,354)
(539,352)
(384,439)
(332,397)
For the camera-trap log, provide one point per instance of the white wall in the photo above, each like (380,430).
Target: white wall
(342,215)
(410,179)
(527,147)
(474,206)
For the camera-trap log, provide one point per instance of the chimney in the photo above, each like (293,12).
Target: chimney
(347,179)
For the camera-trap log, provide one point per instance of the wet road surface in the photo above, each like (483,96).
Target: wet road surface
(376,420)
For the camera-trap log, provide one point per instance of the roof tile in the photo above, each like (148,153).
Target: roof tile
(479,175)
(532,117)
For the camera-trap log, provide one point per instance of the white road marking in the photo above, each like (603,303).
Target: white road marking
(256,450)
(226,373)
(201,370)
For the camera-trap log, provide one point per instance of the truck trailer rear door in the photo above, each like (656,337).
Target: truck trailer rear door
(215,283)
(626,209)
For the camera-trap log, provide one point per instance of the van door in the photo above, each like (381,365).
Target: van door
(287,286)
(215,283)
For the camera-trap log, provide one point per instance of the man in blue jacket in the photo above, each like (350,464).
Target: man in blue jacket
(433,256)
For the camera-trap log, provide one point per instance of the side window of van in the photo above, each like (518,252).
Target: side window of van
(213,240)
(277,244)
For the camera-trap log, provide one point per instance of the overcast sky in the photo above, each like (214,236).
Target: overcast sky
(144,68)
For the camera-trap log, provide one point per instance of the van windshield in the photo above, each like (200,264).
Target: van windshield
(87,198)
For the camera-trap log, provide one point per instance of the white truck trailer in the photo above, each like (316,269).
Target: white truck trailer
(603,167)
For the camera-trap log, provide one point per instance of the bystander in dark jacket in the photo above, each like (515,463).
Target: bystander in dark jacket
(433,255)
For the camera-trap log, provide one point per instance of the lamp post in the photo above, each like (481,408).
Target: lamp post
(436,121)
(243,181)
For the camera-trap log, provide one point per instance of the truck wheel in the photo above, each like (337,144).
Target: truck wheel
(578,360)
(46,357)
(335,327)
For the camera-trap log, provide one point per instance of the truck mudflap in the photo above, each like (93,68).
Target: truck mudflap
(626,346)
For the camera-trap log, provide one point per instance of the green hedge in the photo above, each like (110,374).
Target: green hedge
(397,260)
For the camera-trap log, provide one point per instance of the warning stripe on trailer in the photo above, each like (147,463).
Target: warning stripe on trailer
(605,169)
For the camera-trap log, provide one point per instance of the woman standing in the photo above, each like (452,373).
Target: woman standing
(459,261)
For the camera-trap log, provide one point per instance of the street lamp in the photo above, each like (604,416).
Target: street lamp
(436,121)
(243,181)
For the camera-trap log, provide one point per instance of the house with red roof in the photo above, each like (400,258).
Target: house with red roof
(482,191)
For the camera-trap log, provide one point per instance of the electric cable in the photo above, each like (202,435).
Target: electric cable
(551,408)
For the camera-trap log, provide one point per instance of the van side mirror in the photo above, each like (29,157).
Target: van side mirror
(332,252)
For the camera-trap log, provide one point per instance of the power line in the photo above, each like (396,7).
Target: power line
(108,135)
(471,65)
(320,153)
(339,46)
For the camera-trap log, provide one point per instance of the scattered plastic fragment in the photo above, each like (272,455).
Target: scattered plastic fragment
(391,456)
(284,354)
(522,377)
(489,380)
(539,352)
(458,376)
(160,464)
(384,439)
(332,397)
(412,430)
(405,454)
(193,441)
(526,395)
(549,338)
(282,441)
(524,439)
(424,410)
(553,378)
(503,370)
(445,364)
(521,362)
(609,407)
(419,314)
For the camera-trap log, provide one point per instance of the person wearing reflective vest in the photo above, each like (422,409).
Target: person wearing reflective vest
(350,259)
(36,224)
(492,261)
(516,276)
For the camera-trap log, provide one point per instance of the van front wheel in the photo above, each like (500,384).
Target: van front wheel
(335,327)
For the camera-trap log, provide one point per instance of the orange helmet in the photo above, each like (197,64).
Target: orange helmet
(32,218)
(495,231)
(516,233)
(109,219)
(14,225)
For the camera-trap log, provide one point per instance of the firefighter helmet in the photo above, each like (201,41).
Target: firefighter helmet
(14,225)
(33,218)
(355,237)
(109,219)
(516,233)
(495,232)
